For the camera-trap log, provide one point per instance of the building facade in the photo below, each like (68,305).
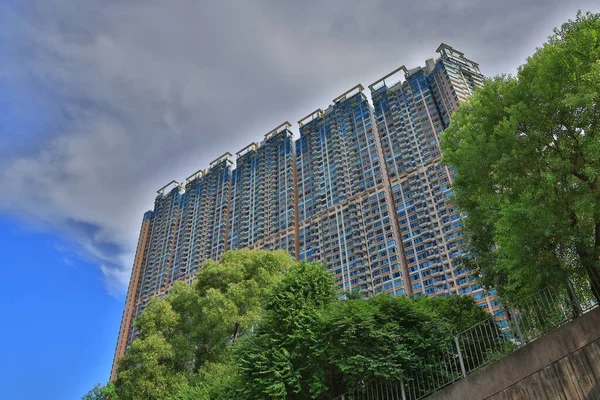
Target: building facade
(363,189)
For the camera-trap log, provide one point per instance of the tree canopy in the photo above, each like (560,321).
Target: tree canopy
(184,338)
(311,345)
(257,324)
(526,149)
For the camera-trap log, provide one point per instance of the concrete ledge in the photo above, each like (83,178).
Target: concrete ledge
(526,361)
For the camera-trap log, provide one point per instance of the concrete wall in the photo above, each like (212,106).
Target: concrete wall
(565,364)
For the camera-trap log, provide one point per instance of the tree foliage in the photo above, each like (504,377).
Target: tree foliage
(310,345)
(100,392)
(527,155)
(282,358)
(184,338)
(258,325)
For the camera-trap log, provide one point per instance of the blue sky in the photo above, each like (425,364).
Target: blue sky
(61,323)
(102,102)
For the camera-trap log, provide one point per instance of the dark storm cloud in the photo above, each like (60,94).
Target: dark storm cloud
(109,100)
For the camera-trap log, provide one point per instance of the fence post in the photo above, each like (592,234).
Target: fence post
(460,357)
(516,319)
(574,298)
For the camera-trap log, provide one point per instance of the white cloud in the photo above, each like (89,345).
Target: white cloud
(131,94)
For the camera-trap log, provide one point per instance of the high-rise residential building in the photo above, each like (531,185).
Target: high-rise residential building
(345,209)
(363,189)
(262,203)
(410,115)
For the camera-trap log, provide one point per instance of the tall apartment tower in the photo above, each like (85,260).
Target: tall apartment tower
(262,204)
(410,115)
(363,189)
(344,210)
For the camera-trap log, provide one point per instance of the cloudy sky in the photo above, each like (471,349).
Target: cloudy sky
(104,101)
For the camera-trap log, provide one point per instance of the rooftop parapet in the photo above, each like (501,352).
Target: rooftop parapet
(447,50)
(198,174)
(358,89)
(381,82)
(175,184)
(225,157)
(444,50)
(342,97)
(315,114)
(251,147)
(285,126)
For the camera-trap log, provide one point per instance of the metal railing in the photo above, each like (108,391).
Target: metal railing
(483,344)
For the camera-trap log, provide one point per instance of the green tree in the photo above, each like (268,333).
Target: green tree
(310,345)
(185,338)
(258,325)
(216,381)
(100,392)
(381,338)
(282,358)
(461,312)
(95,394)
(146,371)
(527,155)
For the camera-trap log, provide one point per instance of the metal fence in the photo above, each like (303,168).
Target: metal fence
(483,343)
